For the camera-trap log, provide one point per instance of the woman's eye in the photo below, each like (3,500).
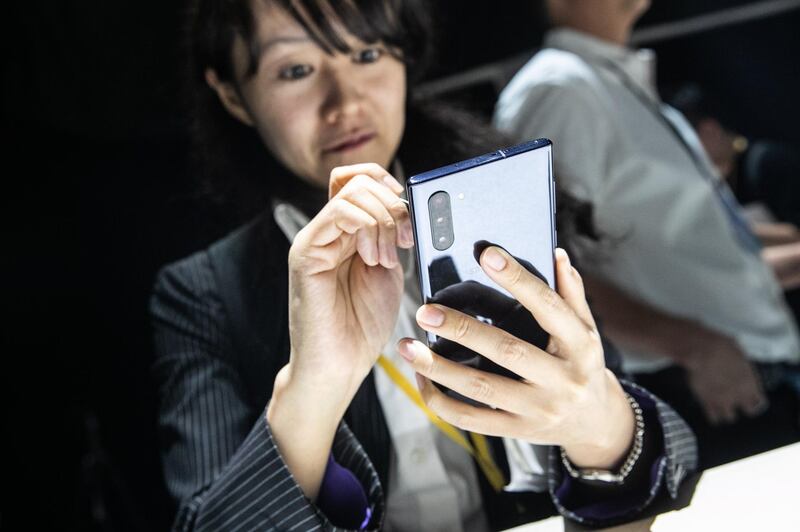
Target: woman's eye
(368,55)
(295,72)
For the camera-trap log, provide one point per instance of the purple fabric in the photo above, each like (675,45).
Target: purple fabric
(342,498)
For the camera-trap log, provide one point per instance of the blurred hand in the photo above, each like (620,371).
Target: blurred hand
(784,259)
(723,380)
(772,233)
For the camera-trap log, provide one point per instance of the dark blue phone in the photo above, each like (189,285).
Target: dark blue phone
(504,198)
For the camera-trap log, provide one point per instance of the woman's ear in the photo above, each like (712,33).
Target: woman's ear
(229,96)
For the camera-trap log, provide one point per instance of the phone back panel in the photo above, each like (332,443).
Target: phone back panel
(505,198)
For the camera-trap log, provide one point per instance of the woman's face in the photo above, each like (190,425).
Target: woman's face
(316,111)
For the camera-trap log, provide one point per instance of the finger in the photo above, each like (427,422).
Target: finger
(755,406)
(727,413)
(338,217)
(524,359)
(755,402)
(359,192)
(467,417)
(341,175)
(718,409)
(399,228)
(570,287)
(367,245)
(712,412)
(399,211)
(548,308)
(493,390)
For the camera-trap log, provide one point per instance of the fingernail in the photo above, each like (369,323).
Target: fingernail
(406,234)
(430,315)
(374,256)
(494,259)
(561,254)
(420,381)
(391,255)
(393,183)
(406,351)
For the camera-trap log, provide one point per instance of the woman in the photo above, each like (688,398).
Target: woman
(260,358)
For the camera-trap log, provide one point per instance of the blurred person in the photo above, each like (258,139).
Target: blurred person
(757,170)
(764,175)
(271,413)
(682,288)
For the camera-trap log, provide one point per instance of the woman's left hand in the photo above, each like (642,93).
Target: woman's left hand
(566,397)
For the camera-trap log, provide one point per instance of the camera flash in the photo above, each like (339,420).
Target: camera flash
(461,195)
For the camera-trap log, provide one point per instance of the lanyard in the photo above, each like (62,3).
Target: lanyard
(478,449)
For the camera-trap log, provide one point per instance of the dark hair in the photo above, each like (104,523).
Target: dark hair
(697,104)
(237,173)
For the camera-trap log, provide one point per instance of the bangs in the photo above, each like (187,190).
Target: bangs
(402,25)
(368,20)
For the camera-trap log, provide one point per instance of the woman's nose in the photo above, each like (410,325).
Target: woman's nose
(343,97)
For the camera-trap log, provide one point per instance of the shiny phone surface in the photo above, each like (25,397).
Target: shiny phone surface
(505,198)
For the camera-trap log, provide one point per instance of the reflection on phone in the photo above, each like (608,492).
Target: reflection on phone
(486,304)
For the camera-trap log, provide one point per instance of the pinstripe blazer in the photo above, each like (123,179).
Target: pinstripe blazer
(220,322)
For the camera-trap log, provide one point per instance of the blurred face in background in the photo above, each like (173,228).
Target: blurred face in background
(722,145)
(315,110)
(636,7)
(596,13)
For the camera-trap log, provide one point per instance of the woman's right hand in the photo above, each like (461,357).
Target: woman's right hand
(345,286)
(345,280)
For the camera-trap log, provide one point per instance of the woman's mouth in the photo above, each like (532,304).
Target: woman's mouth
(349,143)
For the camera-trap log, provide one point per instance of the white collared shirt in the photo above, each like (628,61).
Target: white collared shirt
(670,241)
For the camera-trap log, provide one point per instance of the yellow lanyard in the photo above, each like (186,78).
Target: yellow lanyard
(479,449)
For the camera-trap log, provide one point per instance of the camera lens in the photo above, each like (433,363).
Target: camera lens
(441,220)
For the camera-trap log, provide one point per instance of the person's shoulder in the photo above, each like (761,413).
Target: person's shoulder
(551,80)
(222,263)
(553,68)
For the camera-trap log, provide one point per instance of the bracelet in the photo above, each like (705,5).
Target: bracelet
(603,475)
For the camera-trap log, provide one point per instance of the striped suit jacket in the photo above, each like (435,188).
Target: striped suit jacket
(220,321)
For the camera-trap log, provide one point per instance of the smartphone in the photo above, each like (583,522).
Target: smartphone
(504,198)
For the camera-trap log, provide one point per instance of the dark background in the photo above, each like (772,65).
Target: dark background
(97,195)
